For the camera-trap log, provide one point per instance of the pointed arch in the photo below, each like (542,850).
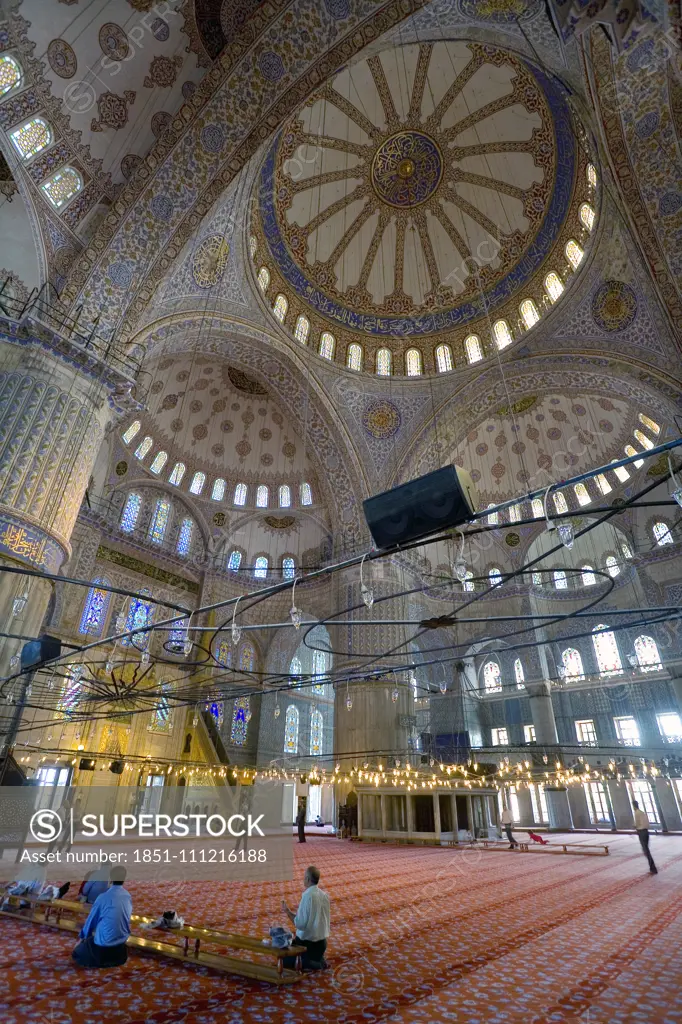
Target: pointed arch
(178,472)
(291,730)
(158,462)
(572,664)
(241,715)
(529,312)
(648,658)
(96,608)
(444,358)
(132,431)
(32,137)
(473,348)
(316,732)
(131,511)
(492,677)
(606,651)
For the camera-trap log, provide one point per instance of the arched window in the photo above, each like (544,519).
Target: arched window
(260,568)
(96,608)
(662,534)
(553,286)
(184,537)
(538,509)
(295,670)
(316,727)
(413,362)
(645,441)
(234,560)
(582,494)
(649,424)
(319,671)
(473,348)
(158,462)
(224,654)
(529,312)
(606,650)
(518,674)
(612,567)
(262,496)
(280,308)
(32,137)
(161,719)
(139,615)
(495,576)
(197,485)
(240,494)
(625,549)
(493,518)
(560,581)
(72,685)
(383,364)
(62,186)
(586,214)
(284,496)
(253,245)
(157,527)
(247,657)
(302,330)
(263,279)
(537,579)
(10,74)
(603,484)
(288,568)
(131,511)
(574,253)
(621,472)
(468,582)
(588,577)
(132,431)
(306,494)
(492,677)
(572,664)
(177,474)
(143,448)
(241,714)
(327,345)
(354,357)
(502,334)
(559,502)
(444,358)
(218,492)
(592,175)
(291,730)
(648,658)
(629,450)
(514,513)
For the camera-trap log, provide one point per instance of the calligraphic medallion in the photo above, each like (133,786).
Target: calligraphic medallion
(407,169)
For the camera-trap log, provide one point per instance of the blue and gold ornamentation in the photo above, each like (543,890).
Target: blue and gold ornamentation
(27,543)
(381,419)
(614,306)
(407,169)
(209,261)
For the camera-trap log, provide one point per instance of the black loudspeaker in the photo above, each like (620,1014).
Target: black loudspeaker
(439,500)
(42,649)
(87,764)
(116,767)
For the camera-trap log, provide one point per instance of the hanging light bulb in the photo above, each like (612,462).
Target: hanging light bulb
(9,699)
(366,592)
(677,490)
(276,710)
(19,603)
(195,719)
(29,690)
(296,616)
(108,668)
(14,661)
(120,622)
(349,702)
(395,694)
(459,566)
(566,534)
(443,686)
(187,647)
(144,657)
(236,630)
(50,686)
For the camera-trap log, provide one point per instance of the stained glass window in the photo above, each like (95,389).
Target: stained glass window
(492,677)
(143,448)
(319,670)
(177,474)
(284,496)
(559,502)
(247,657)
(621,472)
(537,579)
(472,346)
(495,577)
(444,358)
(553,286)
(10,73)
(606,650)
(280,308)
(288,568)
(316,726)
(648,658)
(224,654)
(574,253)
(161,718)
(649,423)
(132,431)
(354,357)
(662,534)
(413,362)
(586,214)
(291,730)
(260,568)
(95,610)
(572,663)
(157,527)
(185,537)
(306,494)
(327,345)
(241,714)
(262,496)
(295,670)
(529,312)
(592,175)
(560,581)
(468,584)
(158,462)
(384,360)
(514,512)
(263,279)
(588,577)
(62,186)
(198,481)
(71,688)
(518,674)
(234,561)
(177,637)
(645,441)
(492,518)
(240,494)
(253,245)
(603,484)
(625,548)
(630,451)
(582,494)
(218,492)
(612,567)
(139,615)
(32,137)
(131,511)
(302,329)
(502,334)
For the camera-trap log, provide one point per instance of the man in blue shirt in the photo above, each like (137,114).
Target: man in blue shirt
(105,933)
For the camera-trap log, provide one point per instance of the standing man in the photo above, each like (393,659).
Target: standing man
(300,821)
(642,826)
(507,820)
(106,930)
(311,922)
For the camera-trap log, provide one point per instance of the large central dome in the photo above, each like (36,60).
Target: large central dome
(415,183)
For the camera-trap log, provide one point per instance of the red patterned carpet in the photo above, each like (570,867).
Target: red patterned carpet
(424,936)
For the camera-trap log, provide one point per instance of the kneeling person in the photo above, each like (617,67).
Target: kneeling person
(106,930)
(311,922)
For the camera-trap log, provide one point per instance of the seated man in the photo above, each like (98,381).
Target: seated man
(106,930)
(311,922)
(94,885)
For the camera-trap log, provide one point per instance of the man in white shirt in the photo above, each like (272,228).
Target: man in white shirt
(311,921)
(642,826)
(507,820)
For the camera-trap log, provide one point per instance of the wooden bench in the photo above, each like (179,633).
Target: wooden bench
(526,846)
